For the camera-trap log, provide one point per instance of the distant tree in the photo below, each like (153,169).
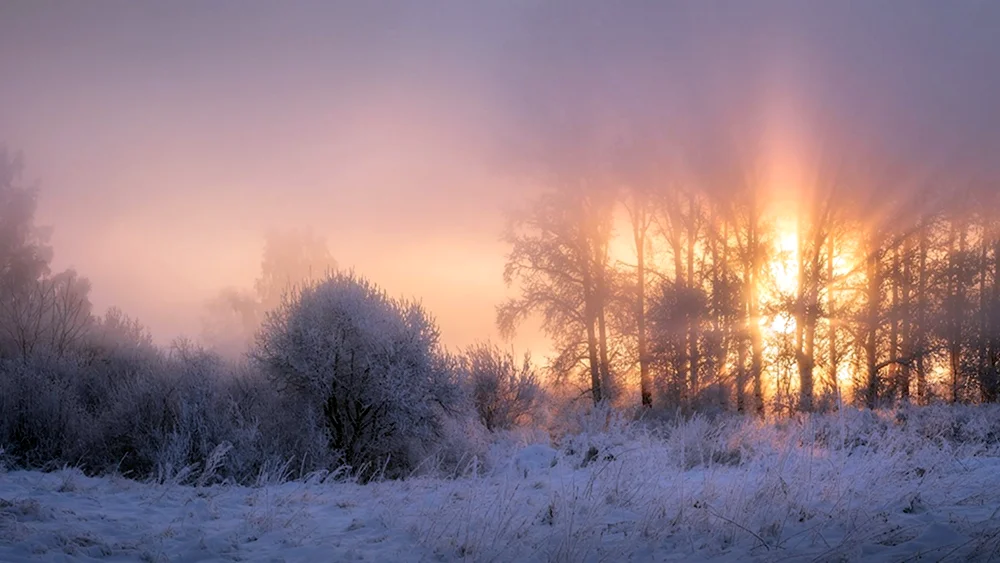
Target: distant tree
(39,312)
(24,249)
(116,329)
(504,391)
(369,365)
(230,320)
(24,253)
(290,258)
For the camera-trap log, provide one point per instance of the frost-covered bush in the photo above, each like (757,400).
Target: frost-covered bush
(199,415)
(37,409)
(367,365)
(117,404)
(350,377)
(505,393)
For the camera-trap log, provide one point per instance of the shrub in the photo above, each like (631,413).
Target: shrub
(368,365)
(505,393)
(118,404)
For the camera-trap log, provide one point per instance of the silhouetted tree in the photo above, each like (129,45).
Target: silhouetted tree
(559,260)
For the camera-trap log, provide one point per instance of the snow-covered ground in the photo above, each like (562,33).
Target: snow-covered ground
(849,487)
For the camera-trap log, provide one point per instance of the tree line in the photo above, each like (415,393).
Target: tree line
(672,291)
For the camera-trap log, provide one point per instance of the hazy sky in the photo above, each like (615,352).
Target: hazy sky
(168,136)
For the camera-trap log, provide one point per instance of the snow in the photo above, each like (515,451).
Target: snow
(536,458)
(759,493)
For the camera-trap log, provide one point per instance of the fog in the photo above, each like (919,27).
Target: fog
(168,138)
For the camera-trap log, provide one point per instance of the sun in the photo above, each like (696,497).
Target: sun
(784,265)
(781,323)
(784,277)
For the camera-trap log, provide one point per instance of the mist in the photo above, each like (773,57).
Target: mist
(168,138)
(298,252)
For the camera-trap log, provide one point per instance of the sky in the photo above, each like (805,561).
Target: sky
(168,137)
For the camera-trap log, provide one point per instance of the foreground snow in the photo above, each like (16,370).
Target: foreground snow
(826,490)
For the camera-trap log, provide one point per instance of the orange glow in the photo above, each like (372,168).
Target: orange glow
(621,247)
(784,267)
(781,323)
(783,270)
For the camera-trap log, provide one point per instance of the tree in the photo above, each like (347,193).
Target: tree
(559,258)
(750,236)
(814,231)
(369,365)
(38,311)
(24,250)
(24,253)
(988,318)
(290,258)
(68,316)
(231,318)
(638,206)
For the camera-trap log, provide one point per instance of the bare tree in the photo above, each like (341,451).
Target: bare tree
(559,259)
(70,313)
(638,206)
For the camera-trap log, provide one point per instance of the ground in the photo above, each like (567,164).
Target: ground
(854,486)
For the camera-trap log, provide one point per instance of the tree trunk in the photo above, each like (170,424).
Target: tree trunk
(645,387)
(920,324)
(693,318)
(871,322)
(906,340)
(993,394)
(831,299)
(592,345)
(805,309)
(957,321)
(753,314)
(681,360)
(602,334)
(982,359)
(639,215)
(894,322)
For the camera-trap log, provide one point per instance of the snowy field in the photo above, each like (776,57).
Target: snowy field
(910,485)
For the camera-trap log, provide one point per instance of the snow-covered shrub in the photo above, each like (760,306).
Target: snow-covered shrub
(369,365)
(180,415)
(39,411)
(506,393)
(267,429)
(117,404)
(462,450)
